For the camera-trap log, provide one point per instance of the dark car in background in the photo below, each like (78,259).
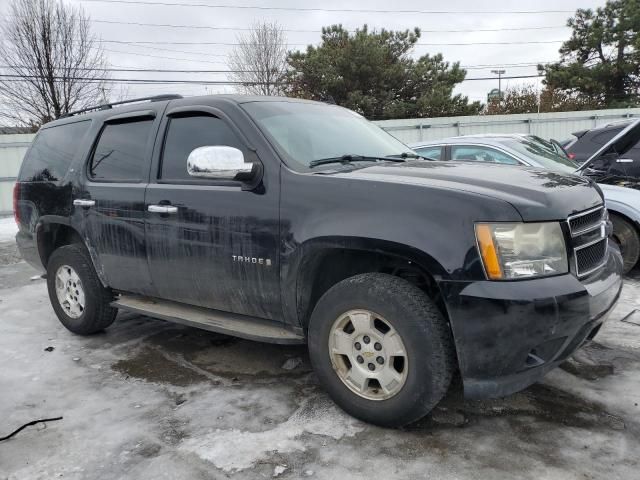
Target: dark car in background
(585,143)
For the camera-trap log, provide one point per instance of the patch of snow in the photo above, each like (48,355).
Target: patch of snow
(234,450)
(279,470)
(8,229)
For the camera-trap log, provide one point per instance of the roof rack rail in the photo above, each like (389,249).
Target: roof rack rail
(107,106)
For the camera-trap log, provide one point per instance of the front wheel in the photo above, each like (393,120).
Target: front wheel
(381,348)
(80,301)
(628,239)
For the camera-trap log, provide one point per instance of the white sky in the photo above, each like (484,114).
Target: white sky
(212,57)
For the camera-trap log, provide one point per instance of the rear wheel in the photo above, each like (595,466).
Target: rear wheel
(381,348)
(628,239)
(80,301)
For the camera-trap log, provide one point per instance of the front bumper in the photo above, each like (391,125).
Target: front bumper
(510,334)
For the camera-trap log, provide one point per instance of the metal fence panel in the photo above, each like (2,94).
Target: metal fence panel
(546,125)
(12,150)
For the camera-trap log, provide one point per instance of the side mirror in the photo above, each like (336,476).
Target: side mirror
(220,163)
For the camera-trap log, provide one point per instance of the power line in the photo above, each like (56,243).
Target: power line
(504,78)
(314,9)
(129,81)
(207,27)
(133,44)
(156,42)
(163,57)
(136,81)
(166,70)
(144,70)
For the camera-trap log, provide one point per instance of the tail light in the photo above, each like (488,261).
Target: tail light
(572,156)
(16,197)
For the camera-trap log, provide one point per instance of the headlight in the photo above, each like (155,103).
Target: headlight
(518,250)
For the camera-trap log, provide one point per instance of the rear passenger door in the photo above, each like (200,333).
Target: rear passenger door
(109,204)
(218,245)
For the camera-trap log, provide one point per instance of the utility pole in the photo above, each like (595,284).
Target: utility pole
(499,73)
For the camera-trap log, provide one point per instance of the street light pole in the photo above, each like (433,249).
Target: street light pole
(499,73)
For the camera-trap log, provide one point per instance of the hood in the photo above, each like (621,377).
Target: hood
(618,145)
(536,194)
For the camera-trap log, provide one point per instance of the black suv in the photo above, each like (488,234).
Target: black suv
(292,221)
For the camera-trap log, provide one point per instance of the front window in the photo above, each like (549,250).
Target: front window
(184,135)
(433,153)
(308,132)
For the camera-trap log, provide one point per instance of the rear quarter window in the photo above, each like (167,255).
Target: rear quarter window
(52,151)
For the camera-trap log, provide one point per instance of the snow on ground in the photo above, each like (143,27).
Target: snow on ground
(149,399)
(8,229)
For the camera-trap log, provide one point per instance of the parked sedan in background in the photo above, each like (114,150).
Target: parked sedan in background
(529,150)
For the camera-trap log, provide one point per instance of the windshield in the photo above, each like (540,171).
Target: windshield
(308,132)
(543,153)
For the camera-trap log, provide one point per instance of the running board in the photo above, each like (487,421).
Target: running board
(243,326)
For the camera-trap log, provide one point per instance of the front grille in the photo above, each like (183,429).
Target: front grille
(588,240)
(583,222)
(590,258)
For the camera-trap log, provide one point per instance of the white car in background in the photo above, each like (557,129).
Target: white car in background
(622,196)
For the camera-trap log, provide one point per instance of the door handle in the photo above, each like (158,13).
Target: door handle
(162,209)
(78,202)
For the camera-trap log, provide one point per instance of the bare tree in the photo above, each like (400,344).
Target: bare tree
(51,62)
(259,60)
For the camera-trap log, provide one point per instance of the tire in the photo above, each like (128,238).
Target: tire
(95,314)
(426,337)
(628,239)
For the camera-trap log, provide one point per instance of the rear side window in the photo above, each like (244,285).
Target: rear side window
(592,141)
(52,152)
(120,153)
(434,153)
(184,135)
(603,137)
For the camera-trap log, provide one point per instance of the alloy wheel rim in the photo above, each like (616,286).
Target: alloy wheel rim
(69,291)
(368,355)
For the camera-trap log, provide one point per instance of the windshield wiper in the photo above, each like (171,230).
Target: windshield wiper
(348,158)
(405,155)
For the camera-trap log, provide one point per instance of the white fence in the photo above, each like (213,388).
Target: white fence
(546,125)
(12,149)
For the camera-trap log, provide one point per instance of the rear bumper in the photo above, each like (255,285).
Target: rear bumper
(29,250)
(508,335)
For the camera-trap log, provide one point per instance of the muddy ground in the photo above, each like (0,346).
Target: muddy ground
(149,399)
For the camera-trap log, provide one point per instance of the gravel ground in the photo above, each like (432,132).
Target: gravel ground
(149,399)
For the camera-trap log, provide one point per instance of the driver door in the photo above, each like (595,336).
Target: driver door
(211,243)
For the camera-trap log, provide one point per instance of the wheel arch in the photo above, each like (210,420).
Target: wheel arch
(321,263)
(630,216)
(53,232)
